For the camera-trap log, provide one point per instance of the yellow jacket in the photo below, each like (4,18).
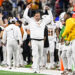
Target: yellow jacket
(69,29)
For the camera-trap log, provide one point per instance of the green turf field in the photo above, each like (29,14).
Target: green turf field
(16,73)
(28,66)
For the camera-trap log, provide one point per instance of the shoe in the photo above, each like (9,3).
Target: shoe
(64,73)
(41,67)
(9,67)
(3,63)
(69,70)
(25,63)
(36,71)
(21,65)
(73,72)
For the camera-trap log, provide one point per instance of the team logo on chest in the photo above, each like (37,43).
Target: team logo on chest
(50,32)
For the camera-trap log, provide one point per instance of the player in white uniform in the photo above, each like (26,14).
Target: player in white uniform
(12,36)
(24,36)
(66,56)
(52,39)
(4,62)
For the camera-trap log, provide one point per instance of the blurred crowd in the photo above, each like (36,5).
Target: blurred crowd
(14,7)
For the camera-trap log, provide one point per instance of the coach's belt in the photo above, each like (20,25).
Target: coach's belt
(37,39)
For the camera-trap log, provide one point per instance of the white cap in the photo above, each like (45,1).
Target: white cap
(14,19)
(61,17)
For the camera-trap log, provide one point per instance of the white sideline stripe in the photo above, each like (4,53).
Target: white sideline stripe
(29,70)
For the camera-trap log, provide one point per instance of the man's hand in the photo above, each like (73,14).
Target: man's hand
(67,42)
(3,44)
(29,6)
(1,15)
(29,44)
(47,8)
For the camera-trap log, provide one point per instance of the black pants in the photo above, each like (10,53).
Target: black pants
(27,53)
(56,57)
(1,54)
